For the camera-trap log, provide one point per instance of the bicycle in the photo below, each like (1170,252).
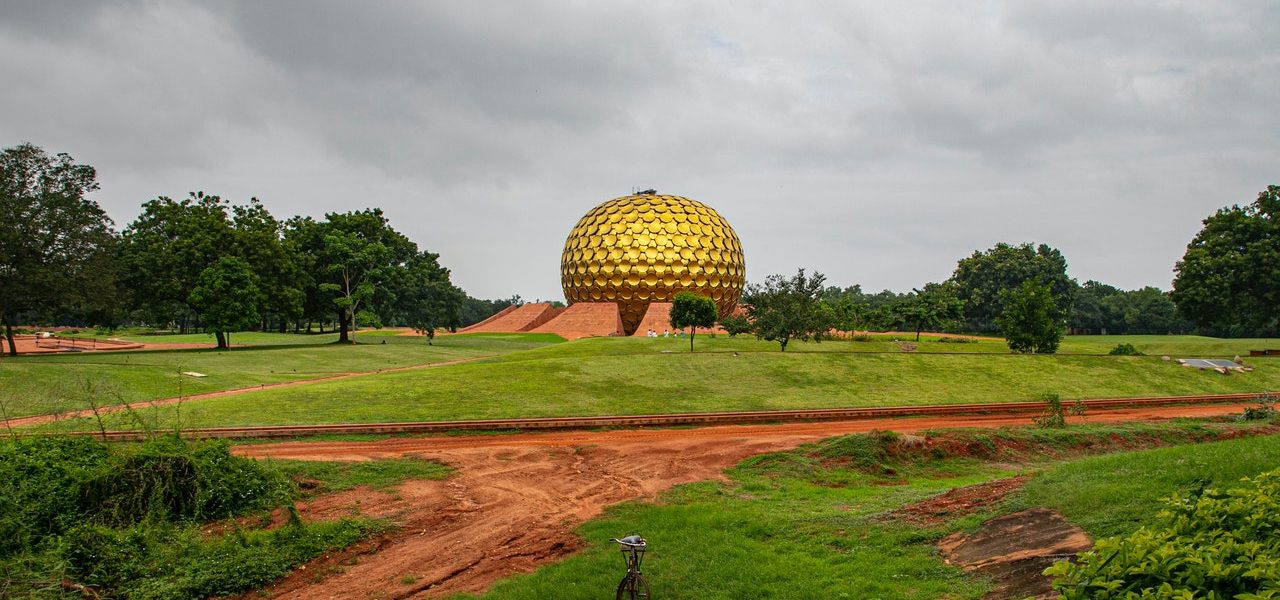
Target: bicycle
(633,586)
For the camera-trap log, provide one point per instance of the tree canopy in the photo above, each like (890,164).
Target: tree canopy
(1031,321)
(787,308)
(55,244)
(1228,281)
(979,280)
(692,310)
(227,297)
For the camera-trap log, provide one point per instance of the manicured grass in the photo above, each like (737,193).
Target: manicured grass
(41,384)
(1117,493)
(647,384)
(377,474)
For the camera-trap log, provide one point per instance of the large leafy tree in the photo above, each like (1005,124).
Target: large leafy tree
(692,310)
(934,307)
(227,296)
(259,240)
(55,244)
(357,263)
(168,246)
(787,308)
(979,280)
(1031,321)
(1229,279)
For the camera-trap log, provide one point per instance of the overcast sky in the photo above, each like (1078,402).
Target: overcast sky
(875,142)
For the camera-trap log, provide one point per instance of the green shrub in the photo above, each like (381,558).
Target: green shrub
(1125,350)
(1266,409)
(49,484)
(1210,544)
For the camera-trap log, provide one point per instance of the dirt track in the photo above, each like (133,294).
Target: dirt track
(515,499)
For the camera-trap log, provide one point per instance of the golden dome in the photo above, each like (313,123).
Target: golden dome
(647,247)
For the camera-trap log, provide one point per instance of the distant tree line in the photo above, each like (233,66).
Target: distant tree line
(1227,284)
(203,263)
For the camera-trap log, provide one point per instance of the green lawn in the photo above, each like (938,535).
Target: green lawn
(644,384)
(1115,494)
(41,384)
(531,376)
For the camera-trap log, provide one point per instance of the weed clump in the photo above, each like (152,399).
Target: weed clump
(1125,350)
(1264,411)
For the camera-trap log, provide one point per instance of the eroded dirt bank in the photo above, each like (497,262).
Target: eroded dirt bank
(515,499)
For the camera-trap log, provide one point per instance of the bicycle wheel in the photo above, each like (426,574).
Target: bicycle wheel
(633,587)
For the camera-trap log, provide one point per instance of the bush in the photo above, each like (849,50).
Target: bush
(1125,350)
(1211,544)
(49,484)
(1265,409)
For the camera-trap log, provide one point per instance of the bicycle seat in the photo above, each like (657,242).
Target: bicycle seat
(633,540)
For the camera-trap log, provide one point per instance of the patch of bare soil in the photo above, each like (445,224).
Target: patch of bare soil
(959,501)
(1014,549)
(515,499)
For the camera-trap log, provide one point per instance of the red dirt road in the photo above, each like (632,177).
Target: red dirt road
(515,499)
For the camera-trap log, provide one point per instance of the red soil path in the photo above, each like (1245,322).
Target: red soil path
(28,344)
(515,499)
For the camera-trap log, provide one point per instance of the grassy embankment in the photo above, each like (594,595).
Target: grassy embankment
(42,384)
(812,523)
(641,375)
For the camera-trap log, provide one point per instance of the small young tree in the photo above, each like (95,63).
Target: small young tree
(735,324)
(227,296)
(692,310)
(1030,321)
(785,308)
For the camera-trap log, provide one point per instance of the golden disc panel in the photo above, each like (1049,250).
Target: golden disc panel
(656,246)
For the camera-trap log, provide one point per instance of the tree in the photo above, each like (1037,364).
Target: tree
(692,310)
(785,308)
(427,300)
(359,257)
(227,297)
(168,246)
(1030,321)
(735,324)
(56,246)
(1093,310)
(259,240)
(980,279)
(1228,280)
(933,307)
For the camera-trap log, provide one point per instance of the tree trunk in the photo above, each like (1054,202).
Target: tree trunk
(691,339)
(344,327)
(8,335)
(784,341)
(222,340)
(919,328)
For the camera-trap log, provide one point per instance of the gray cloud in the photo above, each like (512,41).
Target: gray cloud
(877,144)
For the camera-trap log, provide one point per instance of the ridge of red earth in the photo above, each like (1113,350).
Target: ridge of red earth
(514,499)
